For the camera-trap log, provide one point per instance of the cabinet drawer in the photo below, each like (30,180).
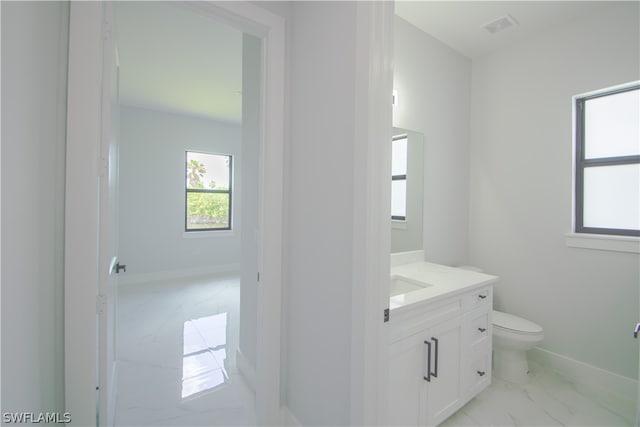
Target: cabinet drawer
(477,374)
(477,332)
(479,298)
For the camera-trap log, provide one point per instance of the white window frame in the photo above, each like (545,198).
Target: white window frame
(586,237)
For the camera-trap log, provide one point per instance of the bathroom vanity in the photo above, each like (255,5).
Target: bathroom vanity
(440,339)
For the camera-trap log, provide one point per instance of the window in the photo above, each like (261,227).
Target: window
(399,177)
(607,181)
(208,191)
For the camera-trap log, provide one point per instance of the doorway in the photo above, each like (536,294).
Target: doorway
(188,161)
(84,102)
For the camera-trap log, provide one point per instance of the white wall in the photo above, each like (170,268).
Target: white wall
(34,56)
(151,191)
(433,83)
(320,212)
(520,205)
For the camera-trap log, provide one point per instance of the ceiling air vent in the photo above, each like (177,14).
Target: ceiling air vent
(500,24)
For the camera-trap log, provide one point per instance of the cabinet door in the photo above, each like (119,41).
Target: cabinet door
(443,389)
(406,382)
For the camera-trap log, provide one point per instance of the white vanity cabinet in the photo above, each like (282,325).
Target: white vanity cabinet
(440,357)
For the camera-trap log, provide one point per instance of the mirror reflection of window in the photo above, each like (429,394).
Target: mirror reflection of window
(407,189)
(399,178)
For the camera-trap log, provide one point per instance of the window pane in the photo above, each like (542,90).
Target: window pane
(612,125)
(207,210)
(612,197)
(399,157)
(209,171)
(399,198)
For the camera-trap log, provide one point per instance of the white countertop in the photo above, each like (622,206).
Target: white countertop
(444,281)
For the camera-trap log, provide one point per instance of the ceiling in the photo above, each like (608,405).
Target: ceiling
(459,24)
(175,60)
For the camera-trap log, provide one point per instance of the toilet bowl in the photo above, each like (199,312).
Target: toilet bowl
(512,337)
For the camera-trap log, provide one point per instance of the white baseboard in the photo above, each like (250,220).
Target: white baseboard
(248,372)
(586,375)
(246,369)
(288,419)
(133,279)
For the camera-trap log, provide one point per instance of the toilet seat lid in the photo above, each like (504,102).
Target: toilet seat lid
(514,323)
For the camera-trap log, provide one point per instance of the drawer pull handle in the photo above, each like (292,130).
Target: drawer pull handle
(481,373)
(427,377)
(482,329)
(481,296)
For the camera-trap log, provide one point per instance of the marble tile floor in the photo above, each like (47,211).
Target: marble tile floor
(176,347)
(547,400)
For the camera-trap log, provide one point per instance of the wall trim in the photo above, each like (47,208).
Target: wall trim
(603,242)
(134,279)
(246,369)
(583,374)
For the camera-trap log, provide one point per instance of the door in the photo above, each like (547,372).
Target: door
(109,265)
(86,283)
(637,337)
(407,380)
(444,387)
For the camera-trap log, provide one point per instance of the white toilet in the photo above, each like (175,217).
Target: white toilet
(513,336)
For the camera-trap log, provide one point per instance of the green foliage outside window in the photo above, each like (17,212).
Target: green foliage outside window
(207,207)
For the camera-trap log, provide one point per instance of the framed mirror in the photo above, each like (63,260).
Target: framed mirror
(407,190)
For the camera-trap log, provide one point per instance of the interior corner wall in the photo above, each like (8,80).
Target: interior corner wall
(34,68)
(319,201)
(433,83)
(521,188)
(152,239)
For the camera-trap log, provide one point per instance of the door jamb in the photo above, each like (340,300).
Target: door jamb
(82,195)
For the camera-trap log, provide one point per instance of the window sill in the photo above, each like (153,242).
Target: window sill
(604,242)
(207,234)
